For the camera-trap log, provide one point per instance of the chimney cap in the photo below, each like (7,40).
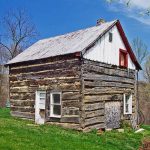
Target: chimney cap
(100,21)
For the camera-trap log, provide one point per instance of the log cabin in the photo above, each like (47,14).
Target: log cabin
(83,80)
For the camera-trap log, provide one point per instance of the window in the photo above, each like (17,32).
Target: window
(127,103)
(123,58)
(55,105)
(110,37)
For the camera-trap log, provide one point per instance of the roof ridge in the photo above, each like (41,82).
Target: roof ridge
(57,36)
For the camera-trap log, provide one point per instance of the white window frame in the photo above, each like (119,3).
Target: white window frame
(129,103)
(52,104)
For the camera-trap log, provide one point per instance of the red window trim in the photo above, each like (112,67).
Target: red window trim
(126,58)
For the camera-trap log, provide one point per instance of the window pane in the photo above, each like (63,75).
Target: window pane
(42,94)
(127,108)
(122,59)
(126,101)
(56,98)
(127,98)
(110,37)
(56,109)
(42,100)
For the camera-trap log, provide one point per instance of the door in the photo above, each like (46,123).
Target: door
(112,114)
(40,107)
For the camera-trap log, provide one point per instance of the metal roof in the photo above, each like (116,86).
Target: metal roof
(64,44)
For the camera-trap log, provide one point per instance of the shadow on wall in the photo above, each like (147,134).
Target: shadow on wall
(144,100)
(4,86)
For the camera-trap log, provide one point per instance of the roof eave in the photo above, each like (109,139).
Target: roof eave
(76,54)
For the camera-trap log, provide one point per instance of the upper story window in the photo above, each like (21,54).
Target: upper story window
(110,37)
(123,58)
(127,103)
(55,104)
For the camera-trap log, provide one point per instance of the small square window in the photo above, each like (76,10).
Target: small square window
(55,105)
(127,103)
(110,37)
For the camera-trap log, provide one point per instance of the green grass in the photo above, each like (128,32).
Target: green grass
(17,134)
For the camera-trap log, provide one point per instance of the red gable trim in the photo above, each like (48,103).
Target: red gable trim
(127,45)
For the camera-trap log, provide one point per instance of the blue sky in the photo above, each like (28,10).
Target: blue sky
(54,17)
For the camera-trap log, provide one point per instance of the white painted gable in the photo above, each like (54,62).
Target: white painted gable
(108,52)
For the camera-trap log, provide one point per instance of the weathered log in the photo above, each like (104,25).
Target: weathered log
(103,84)
(108,71)
(94,120)
(70,111)
(18,103)
(56,59)
(70,119)
(71,95)
(27,115)
(95,126)
(99,98)
(22,109)
(107,91)
(94,113)
(22,96)
(50,67)
(90,76)
(105,65)
(95,106)
(71,103)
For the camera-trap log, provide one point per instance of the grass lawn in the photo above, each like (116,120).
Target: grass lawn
(17,134)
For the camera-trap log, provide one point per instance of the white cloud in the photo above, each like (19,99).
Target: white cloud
(143,20)
(135,10)
(141,4)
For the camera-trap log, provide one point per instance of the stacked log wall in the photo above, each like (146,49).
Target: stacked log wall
(59,73)
(85,85)
(104,83)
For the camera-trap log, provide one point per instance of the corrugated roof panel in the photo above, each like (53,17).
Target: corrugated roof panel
(63,44)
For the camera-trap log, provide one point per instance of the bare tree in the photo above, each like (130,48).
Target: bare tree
(140,49)
(147,70)
(18,34)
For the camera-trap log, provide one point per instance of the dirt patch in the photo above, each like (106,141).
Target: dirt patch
(145,145)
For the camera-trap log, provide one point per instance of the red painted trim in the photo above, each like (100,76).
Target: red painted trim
(125,53)
(78,54)
(127,45)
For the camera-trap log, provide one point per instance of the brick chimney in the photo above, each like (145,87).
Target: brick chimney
(100,21)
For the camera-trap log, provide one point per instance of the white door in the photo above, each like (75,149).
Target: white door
(40,107)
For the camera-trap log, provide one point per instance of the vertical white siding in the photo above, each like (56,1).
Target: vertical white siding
(108,52)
